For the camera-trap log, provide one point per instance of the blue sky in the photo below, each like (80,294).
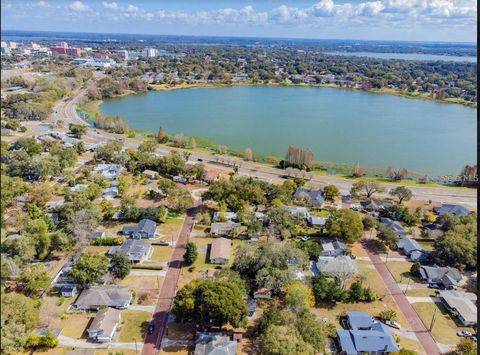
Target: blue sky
(420,20)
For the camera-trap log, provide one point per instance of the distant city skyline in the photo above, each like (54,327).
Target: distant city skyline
(406,20)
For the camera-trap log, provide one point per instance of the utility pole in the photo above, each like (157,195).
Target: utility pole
(136,349)
(434,316)
(406,288)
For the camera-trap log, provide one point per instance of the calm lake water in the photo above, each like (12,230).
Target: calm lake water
(342,126)
(408,56)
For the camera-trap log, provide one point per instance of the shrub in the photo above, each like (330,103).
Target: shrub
(109,241)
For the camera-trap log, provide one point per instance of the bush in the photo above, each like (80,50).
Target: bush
(190,254)
(109,241)
(147,266)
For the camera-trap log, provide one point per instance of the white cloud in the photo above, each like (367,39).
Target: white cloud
(132,8)
(110,5)
(42,4)
(78,6)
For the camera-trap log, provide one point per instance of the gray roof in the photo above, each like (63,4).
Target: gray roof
(317,221)
(105,321)
(463,303)
(359,320)
(331,245)
(315,196)
(215,344)
(408,245)
(396,226)
(146,226)
(106,296)
(443,275)
(454,209)
(340,266)
(379,339)
(220,228)
(134,249)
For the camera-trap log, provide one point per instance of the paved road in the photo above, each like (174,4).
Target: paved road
(153,341)
(425,338)
(468,197)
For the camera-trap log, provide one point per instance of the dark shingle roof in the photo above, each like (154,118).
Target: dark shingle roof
(454,209)
(315,196)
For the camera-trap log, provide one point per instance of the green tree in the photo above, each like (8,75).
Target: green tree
(402,193)
(119,266)
(331,193)
(312,331)
(210,302)
(367,187)
(37,231)
(89,268)
(345,224)
(312,248)
(190,254)
(358,293)
(369,222)
(19,318)
(299,296)
(388,314)
(180,200)
(328,289)
(271,316)
(415,269)
(77,130)
(35,280)
(387,236)
(284,340)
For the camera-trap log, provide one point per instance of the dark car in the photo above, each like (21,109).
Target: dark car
(199,159)
(150,328)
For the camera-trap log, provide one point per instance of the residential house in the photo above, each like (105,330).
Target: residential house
(412,249)
(365,336)
(214,344)
(68,291)
(220,251)
(464,304)
(443,277)
(180,179)
(145,229)
(79,187)
(332,247)
(341,266)
(316,221)
(98,234)
(223,228)
(262,293)
(395,226)
(150,174)
(94,297)
(313,197)
(453,209)
(103,327)
(301,212)
(135,250)
(108,171)
(110,193)
(224,216)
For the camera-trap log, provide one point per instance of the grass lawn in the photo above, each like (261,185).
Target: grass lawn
(426,245)
(134,326)
(142,284)
(171,228)
(161,253)
(55,351)
(421,293)
(75,324)
(97,249)
(400,270)
(444,330)
(177,350)
(91,108)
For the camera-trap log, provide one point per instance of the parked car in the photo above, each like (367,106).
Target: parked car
(163,242)
(393,324)
(464,333)
(305,238)
(473,338)
(199,159)
(151,328)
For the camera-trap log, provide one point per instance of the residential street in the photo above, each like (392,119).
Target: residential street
(152,341)
(423,335)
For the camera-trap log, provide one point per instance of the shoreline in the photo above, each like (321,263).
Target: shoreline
(384,91)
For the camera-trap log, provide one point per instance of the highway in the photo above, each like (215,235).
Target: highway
(467,197)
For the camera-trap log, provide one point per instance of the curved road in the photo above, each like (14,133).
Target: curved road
(466,197)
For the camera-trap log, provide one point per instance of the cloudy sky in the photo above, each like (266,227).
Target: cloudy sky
(422,20)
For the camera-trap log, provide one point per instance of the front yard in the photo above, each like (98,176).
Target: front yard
(133,326)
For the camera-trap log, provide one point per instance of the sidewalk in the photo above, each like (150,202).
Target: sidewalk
(425,338)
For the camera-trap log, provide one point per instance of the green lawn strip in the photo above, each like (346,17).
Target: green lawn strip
(444,329)
(133,326)
(161,253)
(400,270)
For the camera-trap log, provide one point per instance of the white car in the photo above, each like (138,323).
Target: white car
(464,333)
(393,324)
(305,238)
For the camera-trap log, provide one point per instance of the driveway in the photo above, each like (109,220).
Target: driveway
(423,335)
(83,344)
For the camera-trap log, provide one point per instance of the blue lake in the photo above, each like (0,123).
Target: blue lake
(408,56)
(342,126)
